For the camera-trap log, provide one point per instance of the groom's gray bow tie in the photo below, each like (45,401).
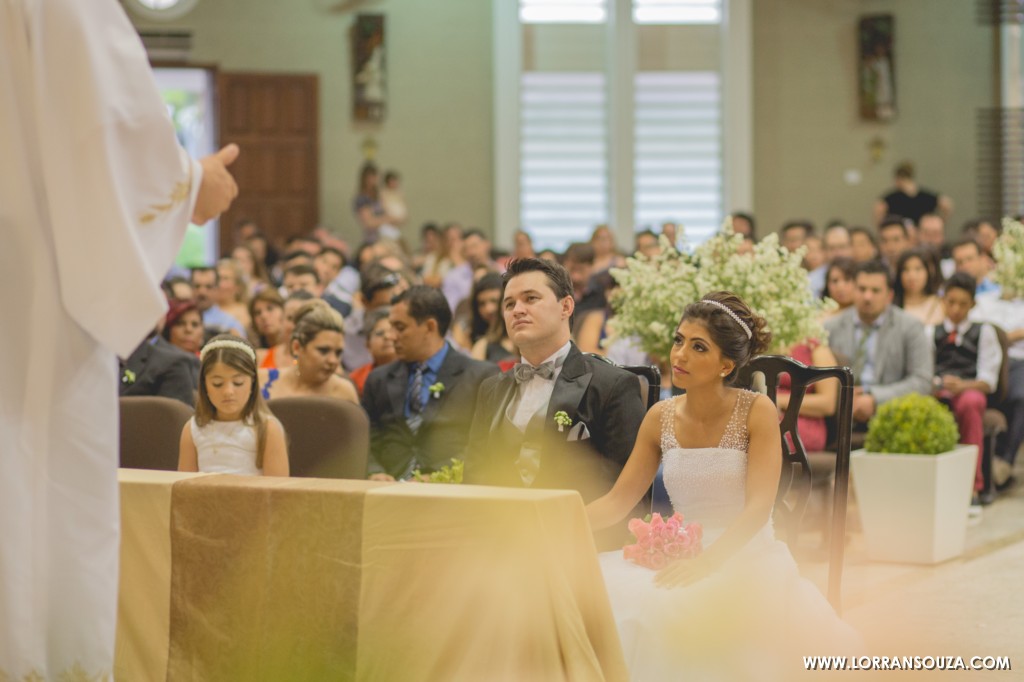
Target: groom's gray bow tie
(523,372)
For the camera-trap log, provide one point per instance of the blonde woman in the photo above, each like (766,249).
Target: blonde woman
(317,341)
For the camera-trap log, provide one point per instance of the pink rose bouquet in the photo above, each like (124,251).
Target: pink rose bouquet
(660,541)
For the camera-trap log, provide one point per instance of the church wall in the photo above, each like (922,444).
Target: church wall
(437,133)
(807,131)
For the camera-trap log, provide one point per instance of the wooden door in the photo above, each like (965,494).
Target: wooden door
(273,119)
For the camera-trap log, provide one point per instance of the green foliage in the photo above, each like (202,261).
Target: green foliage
(912,424)
(446,474)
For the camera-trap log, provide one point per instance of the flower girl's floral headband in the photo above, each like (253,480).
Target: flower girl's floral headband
(731,314)
(227,343)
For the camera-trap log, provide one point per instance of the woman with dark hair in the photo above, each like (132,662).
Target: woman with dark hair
(722,456)
(486,298)
(839,279)
(916,286)
(183,326)
(267,312)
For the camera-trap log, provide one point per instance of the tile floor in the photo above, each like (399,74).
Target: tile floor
(971,605)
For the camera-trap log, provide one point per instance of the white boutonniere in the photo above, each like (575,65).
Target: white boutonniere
(563,420)
(436,389)
(129,377)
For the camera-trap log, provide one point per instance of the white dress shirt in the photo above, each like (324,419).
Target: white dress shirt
(1007,314)
(534,395)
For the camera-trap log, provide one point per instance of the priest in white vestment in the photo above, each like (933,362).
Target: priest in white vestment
(95,195)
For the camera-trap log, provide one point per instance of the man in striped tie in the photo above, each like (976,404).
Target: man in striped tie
(420,405)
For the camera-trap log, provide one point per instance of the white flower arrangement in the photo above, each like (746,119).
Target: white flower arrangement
(1009,255)
(653,292)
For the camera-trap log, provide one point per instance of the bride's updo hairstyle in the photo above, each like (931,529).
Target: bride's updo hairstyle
(730,333)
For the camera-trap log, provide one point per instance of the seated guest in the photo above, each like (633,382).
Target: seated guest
(606,255)
(839,284)
(744,224)
(917,283)
(1008,313)
(968,257)
(496,346)
(233,291)
(815,264)
(377,287)
(893,239)
(932,233)
(486,306)
(378,342)
(646,244)
(560,419)
(794,233)
(968,358)
(863,245)
(177,289)
(886,348)
(205,282)
(339,286)
(820,398)
(837,242)
(316,344)
(280,355)
(183,327)
(253,270)
(301,276)
(588,293)
(157,367)
(458,283)
(267,312)
(421,404)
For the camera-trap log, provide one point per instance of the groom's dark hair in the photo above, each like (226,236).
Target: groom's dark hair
(557,276)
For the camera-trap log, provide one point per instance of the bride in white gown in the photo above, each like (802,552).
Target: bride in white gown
(739,610)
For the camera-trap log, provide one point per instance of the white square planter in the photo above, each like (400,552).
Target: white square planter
(913,508)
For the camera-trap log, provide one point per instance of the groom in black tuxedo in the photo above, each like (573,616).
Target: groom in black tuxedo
(559,419)
(421,404)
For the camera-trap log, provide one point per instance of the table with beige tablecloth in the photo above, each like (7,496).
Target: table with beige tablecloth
(236,578)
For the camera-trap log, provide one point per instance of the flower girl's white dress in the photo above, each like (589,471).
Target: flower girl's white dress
(753,618)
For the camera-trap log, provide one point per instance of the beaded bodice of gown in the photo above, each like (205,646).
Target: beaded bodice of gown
(708,485)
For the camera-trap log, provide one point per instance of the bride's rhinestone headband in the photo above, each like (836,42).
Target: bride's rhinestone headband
(227,343)
(731,314)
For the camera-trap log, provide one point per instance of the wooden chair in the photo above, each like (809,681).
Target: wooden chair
(649,377)
(327,437)
(762,374)
(994,421)
(151,431)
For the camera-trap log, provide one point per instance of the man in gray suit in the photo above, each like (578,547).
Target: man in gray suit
(887,348)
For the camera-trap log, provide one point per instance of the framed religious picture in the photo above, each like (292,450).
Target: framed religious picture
(369,69)
(877,73)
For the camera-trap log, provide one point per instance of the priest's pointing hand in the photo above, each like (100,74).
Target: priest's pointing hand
(218,188)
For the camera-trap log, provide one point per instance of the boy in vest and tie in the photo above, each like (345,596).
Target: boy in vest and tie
(967,363)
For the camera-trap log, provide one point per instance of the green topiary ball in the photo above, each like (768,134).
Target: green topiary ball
(913,424)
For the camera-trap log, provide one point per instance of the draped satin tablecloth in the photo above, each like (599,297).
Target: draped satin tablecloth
(308,579)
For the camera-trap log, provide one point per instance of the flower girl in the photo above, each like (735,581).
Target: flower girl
(232,431)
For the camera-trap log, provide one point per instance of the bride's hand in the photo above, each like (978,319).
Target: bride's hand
(683,572)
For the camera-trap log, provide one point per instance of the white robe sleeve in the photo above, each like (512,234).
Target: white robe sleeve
(120,189)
